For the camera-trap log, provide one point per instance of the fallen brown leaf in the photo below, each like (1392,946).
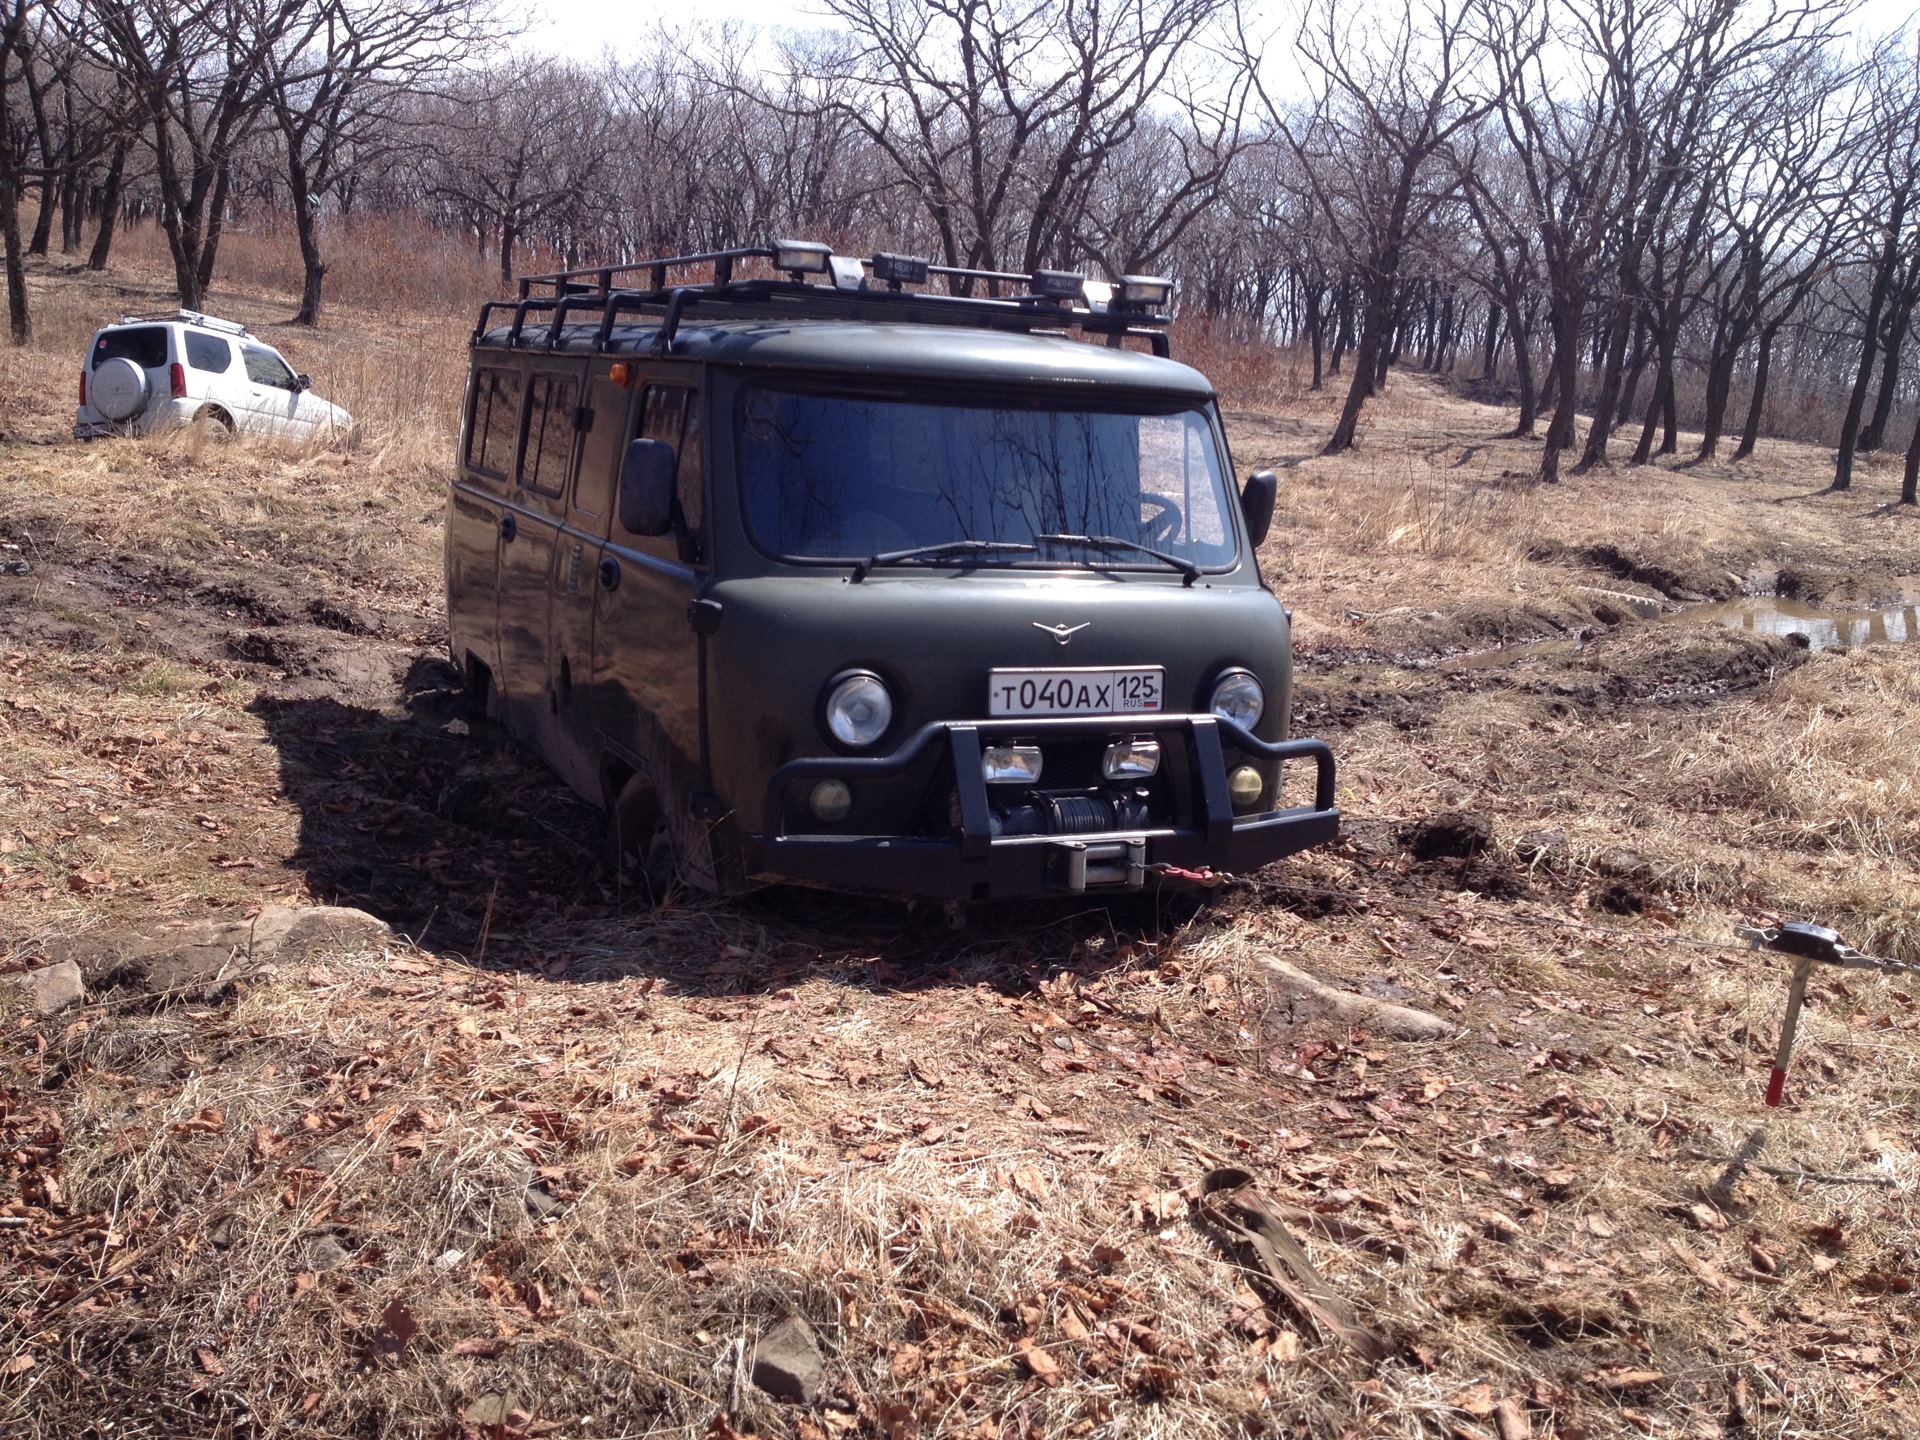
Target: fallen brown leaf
(1041,1365)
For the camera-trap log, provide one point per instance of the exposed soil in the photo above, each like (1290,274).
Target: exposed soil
(546,1161)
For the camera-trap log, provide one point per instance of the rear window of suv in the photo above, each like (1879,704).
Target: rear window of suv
(144,345)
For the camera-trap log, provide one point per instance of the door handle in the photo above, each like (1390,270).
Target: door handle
(509,527)
(609,573)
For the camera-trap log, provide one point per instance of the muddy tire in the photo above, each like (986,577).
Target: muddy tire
(214,422)
(638,843)
(476,690)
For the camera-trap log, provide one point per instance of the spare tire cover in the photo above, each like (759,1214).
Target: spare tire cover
(118,389)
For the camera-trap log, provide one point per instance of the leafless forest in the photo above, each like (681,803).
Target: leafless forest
(1620,216)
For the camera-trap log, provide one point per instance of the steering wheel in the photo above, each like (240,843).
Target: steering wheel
(1163,526)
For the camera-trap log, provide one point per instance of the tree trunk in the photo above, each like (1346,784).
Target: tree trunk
(1316,326)
(1636,369)
(1610,376)
(1729,337)
(1343,326)
(1490,352)
(1892,339)
(43,222)
(216,222)
(306,227)
(19,323)
(1523,378)
(1564,374)
(1763,361)
(70,208)
(1910,482)
(109,209)
(1869,336)
(1366,361)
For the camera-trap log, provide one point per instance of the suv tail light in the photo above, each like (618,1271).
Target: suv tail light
(178,373)
(83,387)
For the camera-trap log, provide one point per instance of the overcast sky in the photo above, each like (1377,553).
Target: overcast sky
(582,29)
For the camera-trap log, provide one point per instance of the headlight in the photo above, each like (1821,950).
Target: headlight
(1237,696)
(859,709)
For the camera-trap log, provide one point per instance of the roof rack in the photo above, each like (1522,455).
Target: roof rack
(805,278)
(189,317)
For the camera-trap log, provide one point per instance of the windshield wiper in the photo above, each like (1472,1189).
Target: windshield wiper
(944,547)
(1114,542)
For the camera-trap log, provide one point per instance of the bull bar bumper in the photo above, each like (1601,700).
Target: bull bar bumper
(978,865)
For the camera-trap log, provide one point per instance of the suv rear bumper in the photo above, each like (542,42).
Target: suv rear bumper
(90,424)
(979,865)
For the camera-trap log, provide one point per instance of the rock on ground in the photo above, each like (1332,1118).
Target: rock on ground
(52,988)
(202,959)
(787,1362)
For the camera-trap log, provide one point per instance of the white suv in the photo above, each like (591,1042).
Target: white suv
(144,375)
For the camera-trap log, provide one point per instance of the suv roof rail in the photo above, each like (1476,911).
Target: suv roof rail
(188,317)
(805,278)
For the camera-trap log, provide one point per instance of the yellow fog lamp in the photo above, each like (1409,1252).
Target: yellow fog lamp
(830,800)
(1245,787)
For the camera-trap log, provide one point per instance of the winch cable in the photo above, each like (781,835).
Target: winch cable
(1810,944)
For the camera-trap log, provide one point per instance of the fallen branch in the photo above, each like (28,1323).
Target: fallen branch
(1382,1017)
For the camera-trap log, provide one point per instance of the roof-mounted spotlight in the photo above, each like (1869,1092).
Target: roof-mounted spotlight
(1058,284)
(898,270)
(1145,292)
(801,257)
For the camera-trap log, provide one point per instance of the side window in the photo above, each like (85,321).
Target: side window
(551,404)
(495,430)
(600,454)
(208,352)
(266,368)
(672,413)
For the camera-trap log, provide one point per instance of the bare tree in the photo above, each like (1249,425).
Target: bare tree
(996,113)
(1886,204)
(335,86)
(195,71)
(524,147)
(1385,103)
(15,18)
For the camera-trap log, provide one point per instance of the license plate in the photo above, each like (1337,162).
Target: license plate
(1134,691)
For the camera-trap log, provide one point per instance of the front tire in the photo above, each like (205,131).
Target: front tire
(641,848)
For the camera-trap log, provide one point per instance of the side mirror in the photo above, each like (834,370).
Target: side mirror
(302,384)
(646,488)
(1256,503)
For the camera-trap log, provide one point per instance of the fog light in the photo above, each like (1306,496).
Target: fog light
(800,257)
(830,800)
(1131,760)
(1245,786)
(1150,292)
(1011,764)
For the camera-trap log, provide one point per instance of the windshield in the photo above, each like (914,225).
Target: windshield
(839,477)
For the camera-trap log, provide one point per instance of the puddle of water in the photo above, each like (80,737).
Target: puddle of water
(1824,629)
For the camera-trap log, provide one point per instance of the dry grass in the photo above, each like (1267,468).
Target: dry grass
(591,1168)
